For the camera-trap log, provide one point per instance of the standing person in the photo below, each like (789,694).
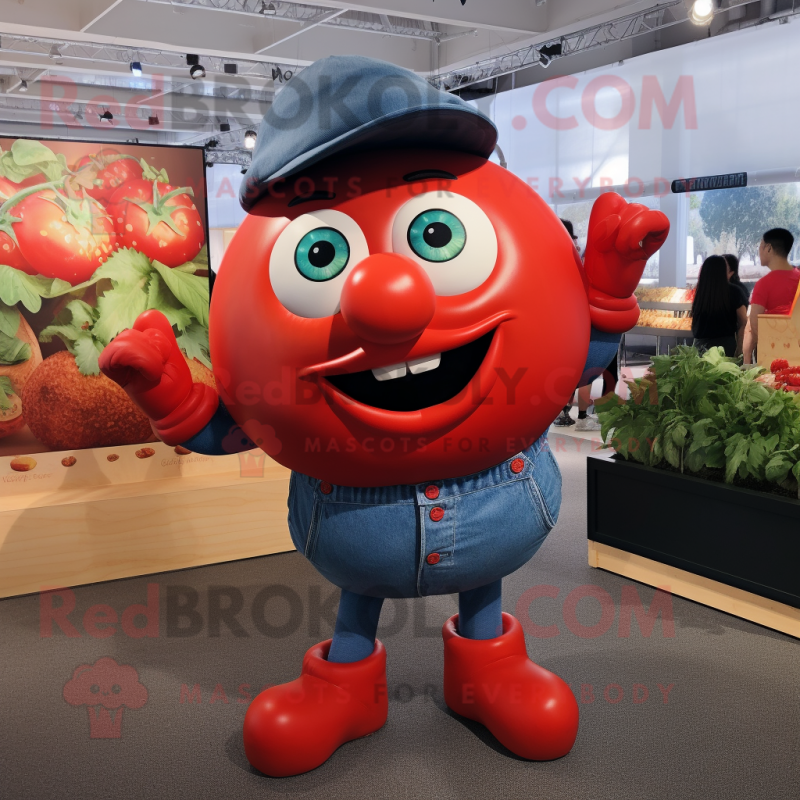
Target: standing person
(586,421)
(719,314)
(733,276)
(775,292)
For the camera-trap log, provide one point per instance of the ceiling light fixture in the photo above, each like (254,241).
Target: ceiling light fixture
(107,116)
(250,139)
(153,120)
(225,127)
(549,52)
(196,69)
(267,8)
(55,52)
(23,86)
(136,68)
(702,12)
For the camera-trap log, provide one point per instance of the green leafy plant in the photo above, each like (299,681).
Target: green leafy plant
(704,414)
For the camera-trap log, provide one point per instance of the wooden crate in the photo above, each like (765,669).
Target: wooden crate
(98,520)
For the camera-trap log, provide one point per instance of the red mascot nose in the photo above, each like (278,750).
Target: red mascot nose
(388,299)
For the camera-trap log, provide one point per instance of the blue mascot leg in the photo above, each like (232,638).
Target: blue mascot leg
(479,612)
(356,626)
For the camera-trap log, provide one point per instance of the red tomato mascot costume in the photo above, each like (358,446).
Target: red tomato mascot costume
(399,320)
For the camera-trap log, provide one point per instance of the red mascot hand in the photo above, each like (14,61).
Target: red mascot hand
(148,364)
(622,237)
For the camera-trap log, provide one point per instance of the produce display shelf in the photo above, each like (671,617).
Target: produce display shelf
(102,519)
(679,333)
(700,543)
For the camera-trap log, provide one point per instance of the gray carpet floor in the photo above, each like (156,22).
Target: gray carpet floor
(712,711)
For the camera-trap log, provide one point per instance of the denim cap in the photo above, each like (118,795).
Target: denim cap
(346,103)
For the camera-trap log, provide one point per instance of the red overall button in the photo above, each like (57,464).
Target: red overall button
(517,465)
(437,512)
(431,492)
(433,558)
(325,487)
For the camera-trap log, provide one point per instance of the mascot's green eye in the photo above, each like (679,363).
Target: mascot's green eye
(437,235)
(322,254)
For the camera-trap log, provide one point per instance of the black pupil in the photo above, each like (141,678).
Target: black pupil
(437,234)
(321,254)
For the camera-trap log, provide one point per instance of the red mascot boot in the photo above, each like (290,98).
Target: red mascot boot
(295,727)
(492,681)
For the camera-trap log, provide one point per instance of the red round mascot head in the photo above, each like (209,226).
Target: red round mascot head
(395,308)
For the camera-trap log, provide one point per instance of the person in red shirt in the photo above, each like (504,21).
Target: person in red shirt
(775,292)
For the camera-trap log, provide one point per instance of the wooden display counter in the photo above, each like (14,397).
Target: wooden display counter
(779,336)
(84,516)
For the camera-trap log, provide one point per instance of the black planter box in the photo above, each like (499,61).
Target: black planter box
(742,538)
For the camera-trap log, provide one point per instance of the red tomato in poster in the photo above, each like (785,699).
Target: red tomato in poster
(158,220)
(10,254)
(63,238)
(9,188)
(111,174)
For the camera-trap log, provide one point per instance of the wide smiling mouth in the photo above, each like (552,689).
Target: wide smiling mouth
(417,384)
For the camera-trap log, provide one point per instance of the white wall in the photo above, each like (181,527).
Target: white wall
(725,104)
(742,86)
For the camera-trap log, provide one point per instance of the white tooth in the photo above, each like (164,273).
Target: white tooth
(388,373)
(424,364)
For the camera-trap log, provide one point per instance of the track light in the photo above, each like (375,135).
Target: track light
(225,126)
(136,68)
(55,52)
(23,86)
(107,116)
(267,8)
(153,120)
(230,69)
(250,139)
(209,163)
(196,69)
(244,170)
(702,12)
(549,52)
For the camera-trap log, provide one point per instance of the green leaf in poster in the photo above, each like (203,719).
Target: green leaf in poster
(18,287)
(190,290)
(6,390)
(9,320)
(13,350)
(29,151)
(87,352)
(67,333)
(161,298)
(126,267)
(118,310)
(194,342)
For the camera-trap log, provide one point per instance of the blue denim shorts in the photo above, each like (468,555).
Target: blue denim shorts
(438,537)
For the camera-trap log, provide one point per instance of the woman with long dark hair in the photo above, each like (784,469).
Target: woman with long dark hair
(719,314)
(733,276)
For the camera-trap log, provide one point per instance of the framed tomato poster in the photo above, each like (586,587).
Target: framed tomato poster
(92,235)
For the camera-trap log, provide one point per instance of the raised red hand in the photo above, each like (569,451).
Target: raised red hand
(148,364)
(622,237)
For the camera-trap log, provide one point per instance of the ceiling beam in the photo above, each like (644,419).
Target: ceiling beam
(93,11)
(306,26)
(520,16)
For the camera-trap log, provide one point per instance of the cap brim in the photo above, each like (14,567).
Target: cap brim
(460,129)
